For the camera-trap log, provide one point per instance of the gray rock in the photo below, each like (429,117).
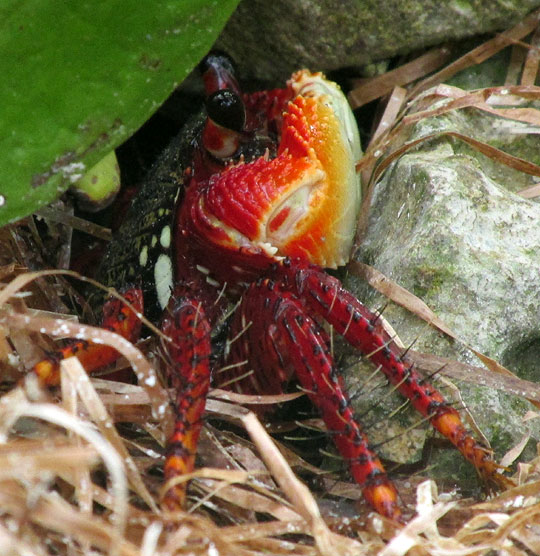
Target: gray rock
(269,40)
(446,225)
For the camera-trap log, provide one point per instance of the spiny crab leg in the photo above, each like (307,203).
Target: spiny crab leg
(294,342)
(189,351)
(362,329)
(117,317)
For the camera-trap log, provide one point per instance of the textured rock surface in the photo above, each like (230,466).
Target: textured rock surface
(446,225)
(269,40)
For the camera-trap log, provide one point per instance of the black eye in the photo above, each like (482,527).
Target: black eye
(226,109)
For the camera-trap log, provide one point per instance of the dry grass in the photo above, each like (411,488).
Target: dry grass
(74,482)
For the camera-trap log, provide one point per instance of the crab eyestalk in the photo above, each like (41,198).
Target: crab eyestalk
(226,113)
(226,117)
(217,72)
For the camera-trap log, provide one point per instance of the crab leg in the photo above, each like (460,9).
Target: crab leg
(117,317)
(189,368)
(362,329)
(294,340)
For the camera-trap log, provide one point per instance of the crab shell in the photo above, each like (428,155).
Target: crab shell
(302,203)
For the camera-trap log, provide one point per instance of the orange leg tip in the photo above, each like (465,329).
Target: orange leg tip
(503,482)
(495,480)
(448,423)
(174,499)
(383,499)
(174,491)
(48,373)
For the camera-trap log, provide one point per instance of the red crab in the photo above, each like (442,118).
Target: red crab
(251,201)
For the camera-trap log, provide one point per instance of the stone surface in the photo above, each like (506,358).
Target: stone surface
(446,225)
(270,40)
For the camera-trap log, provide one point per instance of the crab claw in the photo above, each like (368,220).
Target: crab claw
(302,203)
(318,219)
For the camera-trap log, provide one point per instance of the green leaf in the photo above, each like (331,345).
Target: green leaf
(79,77)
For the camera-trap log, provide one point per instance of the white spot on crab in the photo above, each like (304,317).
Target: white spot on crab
(165,238)
(163,278)
(143,256)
